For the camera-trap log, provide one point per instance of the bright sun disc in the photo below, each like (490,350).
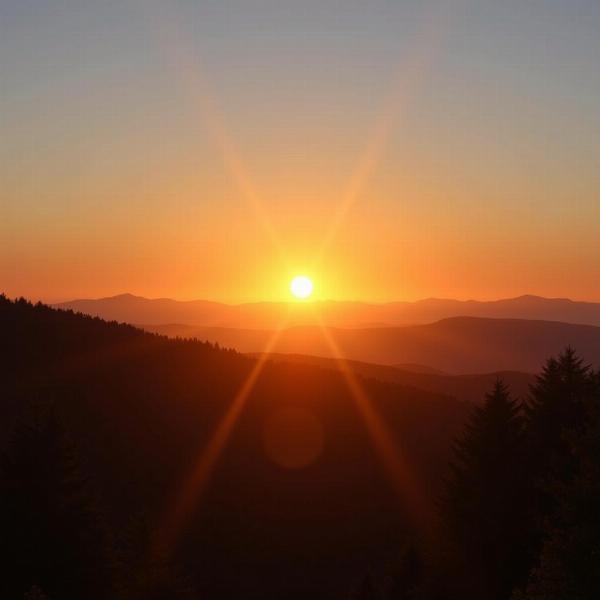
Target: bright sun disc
(301,287)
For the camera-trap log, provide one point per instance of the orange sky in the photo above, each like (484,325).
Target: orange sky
(394,153)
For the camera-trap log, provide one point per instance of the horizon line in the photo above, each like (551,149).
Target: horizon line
(55,302)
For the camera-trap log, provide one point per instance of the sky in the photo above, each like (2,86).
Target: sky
(391,150)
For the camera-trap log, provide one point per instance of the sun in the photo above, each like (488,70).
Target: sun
(301,287)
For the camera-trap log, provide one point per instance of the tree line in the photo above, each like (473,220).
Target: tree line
(520,512)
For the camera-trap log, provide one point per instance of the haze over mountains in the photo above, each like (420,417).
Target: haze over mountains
(456,337)
(470,388)
(269,315)
(457,345)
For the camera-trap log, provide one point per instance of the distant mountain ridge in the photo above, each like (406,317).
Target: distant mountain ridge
(470,388)
(458,345)
(268,315)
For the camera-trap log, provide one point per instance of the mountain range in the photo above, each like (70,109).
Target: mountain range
(268,315)
(459,345)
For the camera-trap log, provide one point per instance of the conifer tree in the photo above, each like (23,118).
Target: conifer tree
(482,507)
(556,405)
(568,567)
(556,410)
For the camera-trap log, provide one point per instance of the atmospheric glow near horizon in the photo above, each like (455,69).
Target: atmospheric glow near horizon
(394,150)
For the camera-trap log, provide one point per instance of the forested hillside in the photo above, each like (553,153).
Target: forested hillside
(320,485)
(137,411)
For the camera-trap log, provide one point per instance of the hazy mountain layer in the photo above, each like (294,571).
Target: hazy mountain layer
(457,345)
(471,388)
(267,315)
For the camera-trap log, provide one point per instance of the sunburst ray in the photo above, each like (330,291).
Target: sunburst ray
(190,492)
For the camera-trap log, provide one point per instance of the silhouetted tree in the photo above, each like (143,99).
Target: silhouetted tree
(483,505)
(568,567)
(555,410)
(52,535)
(557,404)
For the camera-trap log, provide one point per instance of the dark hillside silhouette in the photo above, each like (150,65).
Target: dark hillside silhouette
(103,423)
(471,388)
(140,408)
(51,528)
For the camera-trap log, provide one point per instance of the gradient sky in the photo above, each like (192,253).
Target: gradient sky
(211,149)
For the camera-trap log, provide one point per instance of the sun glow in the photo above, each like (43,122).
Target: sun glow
(301,287)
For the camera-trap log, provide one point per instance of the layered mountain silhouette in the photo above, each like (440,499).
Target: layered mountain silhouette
(450,336)
(268,315)
(459,345)
(141,409)
(471,388)
(134,417)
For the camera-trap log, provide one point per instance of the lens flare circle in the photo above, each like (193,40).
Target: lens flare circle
(301,287)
